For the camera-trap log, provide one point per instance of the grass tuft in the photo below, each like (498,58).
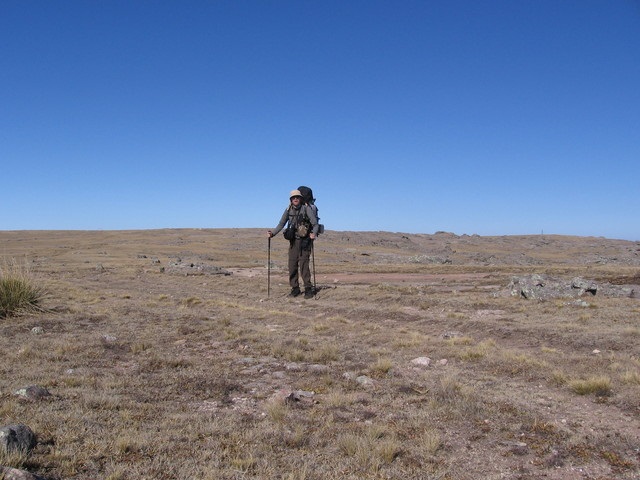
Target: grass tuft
(631,377)
(382,367)
(19,293)
(13,459)
(600,386)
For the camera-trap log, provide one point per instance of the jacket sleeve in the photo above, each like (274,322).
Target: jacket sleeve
(283,220)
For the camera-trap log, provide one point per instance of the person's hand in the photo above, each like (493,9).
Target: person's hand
(269,233)
(312,236)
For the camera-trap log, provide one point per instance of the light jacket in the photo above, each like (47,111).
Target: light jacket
(295,216)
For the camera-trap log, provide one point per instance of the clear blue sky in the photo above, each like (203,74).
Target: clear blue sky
(492,117)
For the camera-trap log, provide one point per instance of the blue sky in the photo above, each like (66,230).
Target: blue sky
(492,117)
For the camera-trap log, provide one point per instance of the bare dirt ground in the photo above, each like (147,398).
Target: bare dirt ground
(166,358)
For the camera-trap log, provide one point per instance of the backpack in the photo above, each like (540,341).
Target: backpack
(309,201)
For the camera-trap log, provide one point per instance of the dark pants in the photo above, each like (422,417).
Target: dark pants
(299,253)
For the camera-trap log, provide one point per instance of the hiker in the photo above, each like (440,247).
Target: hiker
(302,228)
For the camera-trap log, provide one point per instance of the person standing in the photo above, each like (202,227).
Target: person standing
(301,231)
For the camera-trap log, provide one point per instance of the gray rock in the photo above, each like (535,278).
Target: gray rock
(289,396)
(544,287)
(517,448)
(452,334)
(8,473)
(17,438)
(192,268)
(365,381)
(437,259)
(579,303)
(584,286)
(421,361)
(33,393)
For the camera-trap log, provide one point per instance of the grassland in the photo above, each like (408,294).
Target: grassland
(157,375)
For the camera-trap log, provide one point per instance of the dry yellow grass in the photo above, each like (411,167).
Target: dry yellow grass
(157,375)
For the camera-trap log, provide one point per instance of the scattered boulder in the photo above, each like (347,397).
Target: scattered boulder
(451,334)
(17,438)
(362,380)
(618,291)
(421,361)
(289,396)
(584,286)
(431,259)
(8,473)
(579,303)
(187,268)
(365,381)
(33,393)
(544,287)
(516,448)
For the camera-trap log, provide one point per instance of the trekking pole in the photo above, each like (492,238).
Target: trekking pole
(269,268)
(313,258)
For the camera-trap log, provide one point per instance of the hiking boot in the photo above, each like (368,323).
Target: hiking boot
(308,293)
(294,292)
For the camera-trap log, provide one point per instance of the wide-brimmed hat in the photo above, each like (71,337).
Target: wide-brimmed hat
(294,193)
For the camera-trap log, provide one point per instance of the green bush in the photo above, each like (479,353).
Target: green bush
(18,291)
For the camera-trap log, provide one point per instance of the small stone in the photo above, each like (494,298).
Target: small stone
(294,367)
(365,381)
(452,334)
(33,393)
(518,448)
(300,394)
(421,361)
(37,330)
(596,352)
(319,368)
(282,395)
(9,473)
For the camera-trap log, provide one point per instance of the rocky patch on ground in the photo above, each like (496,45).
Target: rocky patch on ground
(187,267)
(545,287)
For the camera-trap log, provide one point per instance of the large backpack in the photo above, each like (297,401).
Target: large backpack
(307,199)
